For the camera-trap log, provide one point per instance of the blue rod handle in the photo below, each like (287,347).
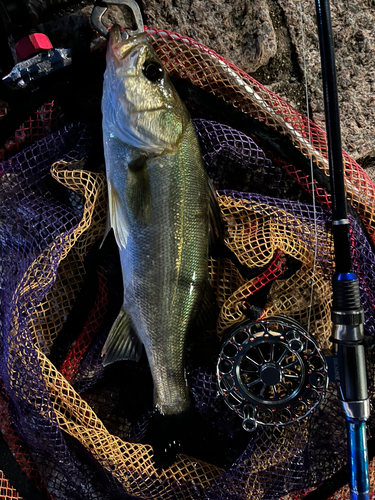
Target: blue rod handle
(358,460)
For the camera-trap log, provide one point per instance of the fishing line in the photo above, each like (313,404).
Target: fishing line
(311,166)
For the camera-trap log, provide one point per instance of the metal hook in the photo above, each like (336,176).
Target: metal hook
(102,6)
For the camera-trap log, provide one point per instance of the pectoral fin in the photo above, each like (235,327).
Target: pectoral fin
(116,218)
(122,342)
(138,194)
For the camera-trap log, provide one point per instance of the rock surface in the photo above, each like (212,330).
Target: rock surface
(353,24)
(240,29)
(266,39)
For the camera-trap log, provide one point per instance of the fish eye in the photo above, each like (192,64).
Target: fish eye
(153,70)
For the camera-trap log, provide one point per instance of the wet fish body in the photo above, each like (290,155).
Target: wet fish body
(159,199)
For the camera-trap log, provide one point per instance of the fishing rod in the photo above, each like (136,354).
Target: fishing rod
(347,314)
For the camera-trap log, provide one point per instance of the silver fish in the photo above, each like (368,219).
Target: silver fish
(159,199)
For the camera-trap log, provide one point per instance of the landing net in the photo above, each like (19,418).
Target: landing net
(76,429)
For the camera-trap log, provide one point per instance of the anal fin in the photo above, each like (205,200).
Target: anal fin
(122,342)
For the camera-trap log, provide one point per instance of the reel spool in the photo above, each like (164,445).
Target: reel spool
(271,372)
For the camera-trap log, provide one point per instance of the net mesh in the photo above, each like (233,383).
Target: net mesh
(45,120)
(77,429)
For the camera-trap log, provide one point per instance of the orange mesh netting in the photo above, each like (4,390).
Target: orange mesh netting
(6,489)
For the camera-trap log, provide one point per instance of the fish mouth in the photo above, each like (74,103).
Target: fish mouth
(122,48)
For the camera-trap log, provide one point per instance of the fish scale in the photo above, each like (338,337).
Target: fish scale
(164,276)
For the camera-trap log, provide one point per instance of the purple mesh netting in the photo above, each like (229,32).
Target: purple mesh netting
(364,268)
(91,368)
(37,210)
(234,161)
(268,484)
(238,157)
(33,208)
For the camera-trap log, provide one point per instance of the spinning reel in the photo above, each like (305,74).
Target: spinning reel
(271,372)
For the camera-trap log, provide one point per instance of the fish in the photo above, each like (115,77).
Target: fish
(161,207)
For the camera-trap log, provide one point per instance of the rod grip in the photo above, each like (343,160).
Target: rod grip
(347,336)
(353,379)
